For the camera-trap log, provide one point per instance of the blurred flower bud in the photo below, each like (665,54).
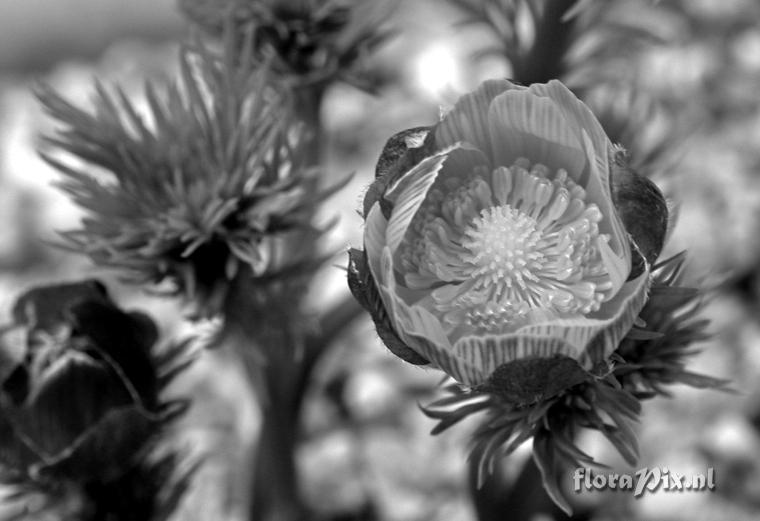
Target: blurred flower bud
(78,386)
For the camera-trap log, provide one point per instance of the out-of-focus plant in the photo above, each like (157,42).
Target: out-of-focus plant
(199,193)
(310,43)
(521,281)
(211,194)
(583,42)
(592,46)
(82,408)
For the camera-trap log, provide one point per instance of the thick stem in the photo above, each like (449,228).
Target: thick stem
(545,60)
(525,499)
(308,104)
(276,493)
(279,356)
(263,325)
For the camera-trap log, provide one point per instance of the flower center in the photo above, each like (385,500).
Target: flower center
(505,248)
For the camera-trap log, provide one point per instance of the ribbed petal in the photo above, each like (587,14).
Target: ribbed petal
(381,267)
(425,333)
(488,352)
(522,124)
(597,335)
(374,241)
(618,260)
(408,194)
(579,117)
(468,120)
(417,327)
(590,133)
(587,339)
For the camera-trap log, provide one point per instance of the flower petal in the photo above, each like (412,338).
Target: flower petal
(596,145)
(374,240)
(468,120)
(416,326)
(408,194)
(381,267)
(579,118)
(598,191)
(488,352)
(522,124)
(597,335)
(457,367)
(628,302)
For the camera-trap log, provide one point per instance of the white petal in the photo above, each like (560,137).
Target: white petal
(420,330)
(468,120)
(617,267)
(597,335)
(579,117)
(433,344)
(522,124)
(374,240)
(598,191)
(409,193)
(487,352)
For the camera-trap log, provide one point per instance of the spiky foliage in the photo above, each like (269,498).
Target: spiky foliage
(310,42)
(584,43)
(655,353)
(593,47)
(207,185)
(84,408)
(651,357)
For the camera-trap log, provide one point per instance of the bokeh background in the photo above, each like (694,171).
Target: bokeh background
(366,445)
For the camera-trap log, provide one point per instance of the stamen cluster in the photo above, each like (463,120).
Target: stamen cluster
(510,244)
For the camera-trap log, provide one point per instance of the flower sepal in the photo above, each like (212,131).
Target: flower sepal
(365,292)
(529,381)
(642,209)
(596,402)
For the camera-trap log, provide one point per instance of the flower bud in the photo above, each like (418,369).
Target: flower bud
(78,386)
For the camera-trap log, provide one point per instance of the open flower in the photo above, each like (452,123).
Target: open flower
(497,239)
(512,246)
